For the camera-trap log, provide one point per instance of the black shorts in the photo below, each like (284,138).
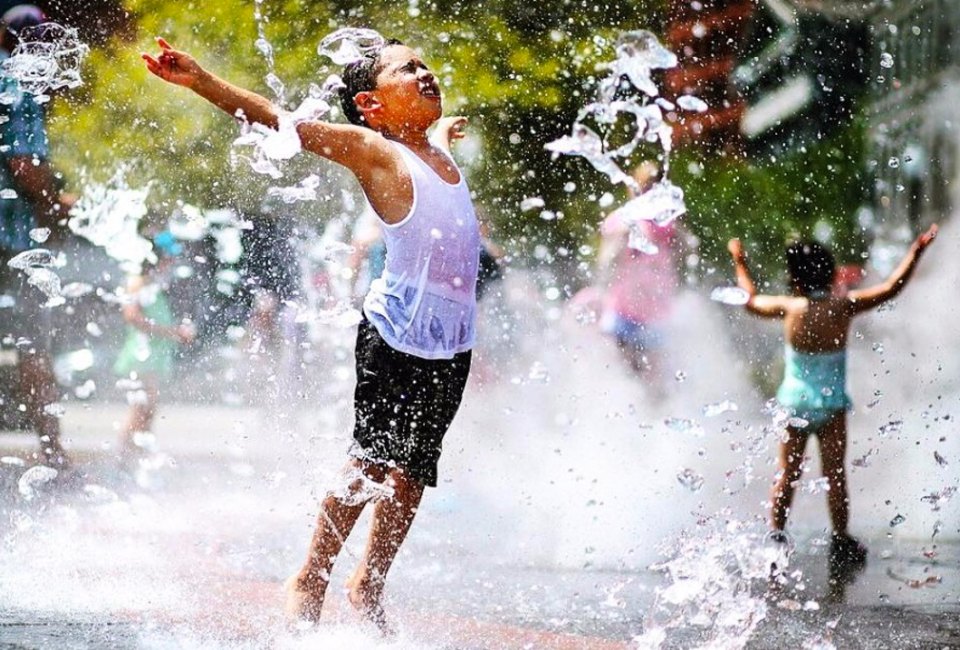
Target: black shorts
(404,404)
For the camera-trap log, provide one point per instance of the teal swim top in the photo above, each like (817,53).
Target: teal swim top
(814,384)
(145,354)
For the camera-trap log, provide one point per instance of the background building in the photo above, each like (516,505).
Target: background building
(913,115)
(707,36)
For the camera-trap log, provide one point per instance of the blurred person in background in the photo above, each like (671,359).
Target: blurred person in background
(638,287)
(150,347)
(38,204)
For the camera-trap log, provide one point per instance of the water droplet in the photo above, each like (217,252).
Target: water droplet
(893,163)
(56,409)
(531,203)
(864,461)
(683,425)
(717,408)
(893,426)
(40,235)
(85,390)
(886,60)
(538,372)
(691,103)
(730,296)
(690,480)
(896,521)
(76,290)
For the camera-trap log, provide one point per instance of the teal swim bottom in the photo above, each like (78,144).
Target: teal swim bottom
(814,385)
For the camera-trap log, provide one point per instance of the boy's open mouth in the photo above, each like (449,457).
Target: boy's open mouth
(430,90)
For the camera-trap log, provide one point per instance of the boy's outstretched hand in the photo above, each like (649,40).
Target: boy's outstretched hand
(927,238)
(176,67)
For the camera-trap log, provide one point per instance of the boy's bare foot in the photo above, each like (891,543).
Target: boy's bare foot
(303,601)
(366,599)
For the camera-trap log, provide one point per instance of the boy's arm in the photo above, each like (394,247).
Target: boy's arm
(865,299)
(360,150)
(765,306)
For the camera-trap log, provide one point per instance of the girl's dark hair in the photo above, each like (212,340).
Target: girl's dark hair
(811,267)
(361,76)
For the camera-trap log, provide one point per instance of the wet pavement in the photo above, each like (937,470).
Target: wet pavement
(192,551)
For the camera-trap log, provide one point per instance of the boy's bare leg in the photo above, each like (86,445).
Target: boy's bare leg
(833,449)
(307,588)
(791,460)
(391,522)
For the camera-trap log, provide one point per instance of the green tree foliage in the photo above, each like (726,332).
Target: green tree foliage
(519,70)
(812,193)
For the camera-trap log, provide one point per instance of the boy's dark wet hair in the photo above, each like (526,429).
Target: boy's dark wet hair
(360,76)
(811,267)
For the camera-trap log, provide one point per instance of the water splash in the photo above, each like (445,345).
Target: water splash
(33,479)
(269,148)
(710,585)
(37,265)
(108,215)
(40,235)
(628,92)
(266,149)
(48,282)
(34,258)
(350,44)
(355,489)
(305,190)
(48,57)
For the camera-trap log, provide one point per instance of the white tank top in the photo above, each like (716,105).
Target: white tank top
(425,301)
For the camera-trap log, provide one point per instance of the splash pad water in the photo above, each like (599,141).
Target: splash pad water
(567,486)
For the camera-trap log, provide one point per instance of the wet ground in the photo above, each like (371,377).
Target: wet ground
(191,552)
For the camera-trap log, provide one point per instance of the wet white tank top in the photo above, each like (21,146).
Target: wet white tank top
(425,301)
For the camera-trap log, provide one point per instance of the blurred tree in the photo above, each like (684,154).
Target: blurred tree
(813,192)
(520,71)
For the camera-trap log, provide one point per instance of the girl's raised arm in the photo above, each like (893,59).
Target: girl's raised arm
(865,299)
(760,305)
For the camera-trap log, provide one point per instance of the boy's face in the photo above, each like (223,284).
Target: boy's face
(407,95)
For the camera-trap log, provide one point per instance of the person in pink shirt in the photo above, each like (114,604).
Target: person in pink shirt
(638,284)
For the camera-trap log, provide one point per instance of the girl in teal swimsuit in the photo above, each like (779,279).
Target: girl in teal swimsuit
(816,324)
(152,338)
